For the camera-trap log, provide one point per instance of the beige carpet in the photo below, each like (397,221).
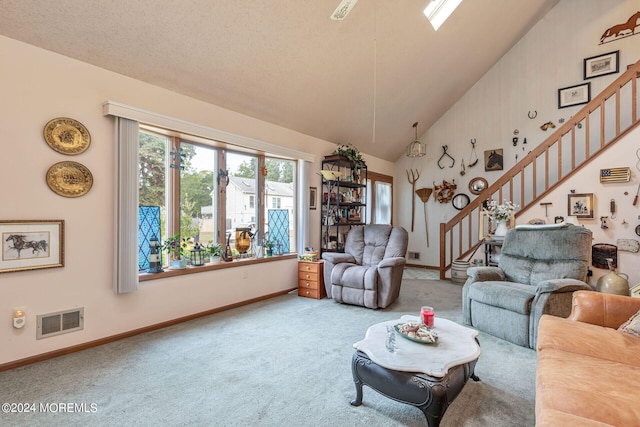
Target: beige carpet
(281,362)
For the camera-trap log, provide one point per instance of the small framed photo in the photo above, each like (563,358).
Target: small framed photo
(493,160)
(574,95)
(31,245)
(580,205)
(313,196)
(601,65)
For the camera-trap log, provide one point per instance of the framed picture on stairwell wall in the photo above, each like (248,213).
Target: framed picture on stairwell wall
(574,95)
(601,65)
(580,205)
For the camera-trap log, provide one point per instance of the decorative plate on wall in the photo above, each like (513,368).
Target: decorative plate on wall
(67,136)
(69,179)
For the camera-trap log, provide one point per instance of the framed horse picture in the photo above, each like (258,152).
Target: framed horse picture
(493,160)
(31,245)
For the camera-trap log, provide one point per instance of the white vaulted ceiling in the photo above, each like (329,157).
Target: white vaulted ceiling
(285,61)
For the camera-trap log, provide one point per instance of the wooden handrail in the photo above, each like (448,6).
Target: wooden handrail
(565,134)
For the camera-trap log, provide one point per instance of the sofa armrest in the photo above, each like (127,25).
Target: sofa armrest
(562,285)
(338,257)
(392,262)
(485,274)
(603,309)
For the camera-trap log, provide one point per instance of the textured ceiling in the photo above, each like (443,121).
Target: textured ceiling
(285,61)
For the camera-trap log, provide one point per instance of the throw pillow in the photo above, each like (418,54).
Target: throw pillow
(632,326)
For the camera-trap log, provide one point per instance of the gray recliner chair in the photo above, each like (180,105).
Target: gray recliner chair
(369,272)
(539,269)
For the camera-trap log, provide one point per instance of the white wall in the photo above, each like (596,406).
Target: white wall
(37,86)
(524,80)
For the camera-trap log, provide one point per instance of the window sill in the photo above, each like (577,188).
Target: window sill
(143,277)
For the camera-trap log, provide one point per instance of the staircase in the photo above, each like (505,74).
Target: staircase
(596,127)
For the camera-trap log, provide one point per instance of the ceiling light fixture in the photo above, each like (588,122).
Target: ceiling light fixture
(437,11)
(416,148)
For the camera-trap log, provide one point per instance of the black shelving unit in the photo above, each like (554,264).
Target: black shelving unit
(343,201)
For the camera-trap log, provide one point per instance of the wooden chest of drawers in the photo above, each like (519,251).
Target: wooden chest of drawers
(310,279)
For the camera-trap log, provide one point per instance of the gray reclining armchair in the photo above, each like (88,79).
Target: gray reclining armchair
(369,272)
(539,269)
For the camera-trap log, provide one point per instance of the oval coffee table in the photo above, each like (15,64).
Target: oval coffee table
(428,376)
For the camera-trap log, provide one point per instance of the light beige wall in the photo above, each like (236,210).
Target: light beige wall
(37,86)
(524,80)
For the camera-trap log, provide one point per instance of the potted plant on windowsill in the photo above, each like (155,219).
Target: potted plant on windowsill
(214,252)
(268,247)
(176,248)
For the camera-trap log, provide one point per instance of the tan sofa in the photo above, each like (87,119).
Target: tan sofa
(588,373)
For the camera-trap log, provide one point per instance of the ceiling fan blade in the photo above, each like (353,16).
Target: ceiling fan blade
(343,9)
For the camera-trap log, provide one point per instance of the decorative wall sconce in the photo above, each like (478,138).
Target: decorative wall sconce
(177,157)
(223,178)
(416,148)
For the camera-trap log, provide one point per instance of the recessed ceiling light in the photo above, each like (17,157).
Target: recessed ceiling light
(439,10)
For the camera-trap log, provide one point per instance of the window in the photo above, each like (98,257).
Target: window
(380,200)
(437,11)
(243,185)
(198,204)
(185,180)
(280,188)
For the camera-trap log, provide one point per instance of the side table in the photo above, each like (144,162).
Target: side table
(310,279)
(490,247)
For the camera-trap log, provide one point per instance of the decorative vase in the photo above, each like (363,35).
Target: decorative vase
(502,228)
(612,282)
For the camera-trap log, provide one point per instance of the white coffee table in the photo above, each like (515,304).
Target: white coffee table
(428,376)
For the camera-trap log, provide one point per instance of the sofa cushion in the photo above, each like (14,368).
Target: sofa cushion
(586,386)
(508,295)
(587,339)
(631,326)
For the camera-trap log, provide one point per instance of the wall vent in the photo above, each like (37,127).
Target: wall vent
(414,255)
(61,322)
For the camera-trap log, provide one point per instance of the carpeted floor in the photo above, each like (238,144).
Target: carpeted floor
(281,362)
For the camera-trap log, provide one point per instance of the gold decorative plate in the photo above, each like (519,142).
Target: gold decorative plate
(69,179)
(67,136)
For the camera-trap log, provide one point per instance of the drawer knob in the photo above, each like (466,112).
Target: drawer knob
(308,276)
(308,293)
(308,284)
(307,267)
